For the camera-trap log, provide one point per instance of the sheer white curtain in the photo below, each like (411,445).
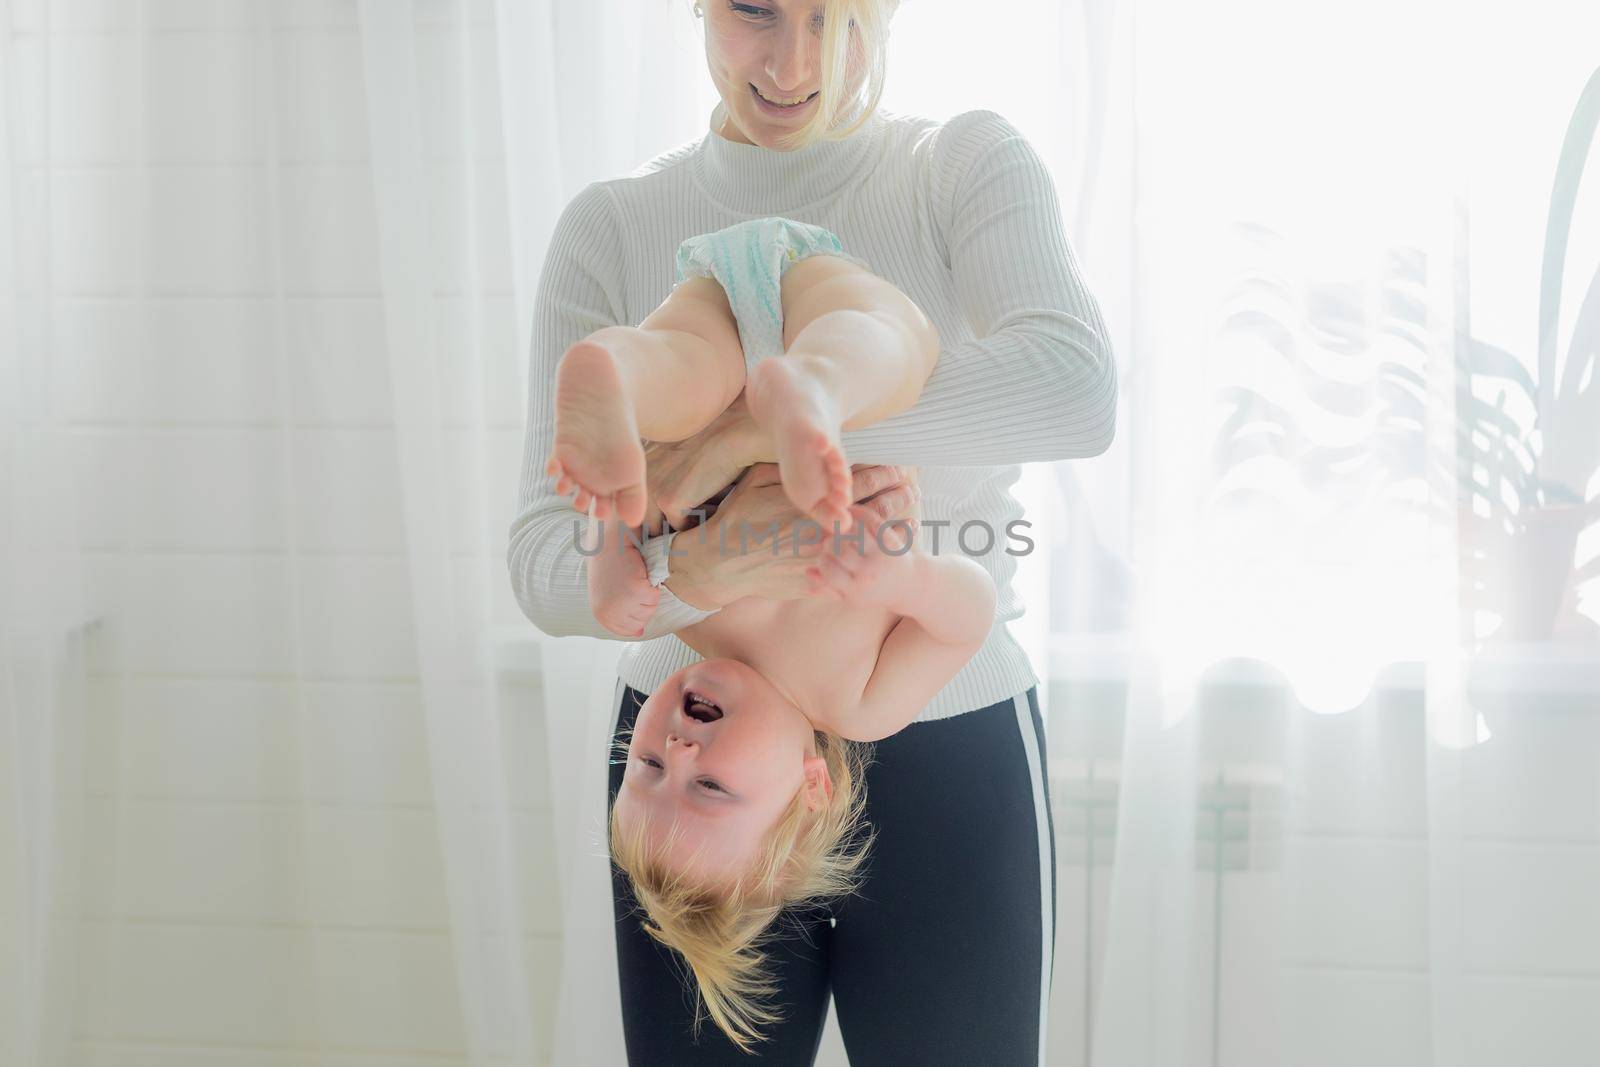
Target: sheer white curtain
(275,783)
(286,775)
(1349,745)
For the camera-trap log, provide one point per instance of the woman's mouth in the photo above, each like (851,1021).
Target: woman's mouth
(781,110)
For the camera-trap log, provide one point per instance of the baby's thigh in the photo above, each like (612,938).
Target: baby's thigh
(699,306)
(821,283)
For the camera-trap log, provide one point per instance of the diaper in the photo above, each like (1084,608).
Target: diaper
(749,260)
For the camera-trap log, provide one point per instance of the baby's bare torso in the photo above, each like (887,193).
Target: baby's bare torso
(817,651)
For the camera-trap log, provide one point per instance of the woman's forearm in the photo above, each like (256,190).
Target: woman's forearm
(1036,382)
(1035,393)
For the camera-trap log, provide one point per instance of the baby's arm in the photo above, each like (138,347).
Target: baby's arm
(946,621)
(620,593)
(946,604)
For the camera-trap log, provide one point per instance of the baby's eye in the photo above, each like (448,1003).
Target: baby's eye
(713,786)
(648,762)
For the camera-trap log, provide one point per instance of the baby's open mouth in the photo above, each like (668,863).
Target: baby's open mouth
(699,708)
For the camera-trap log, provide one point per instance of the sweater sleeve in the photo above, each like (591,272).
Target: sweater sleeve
(579,292)
(1038,382)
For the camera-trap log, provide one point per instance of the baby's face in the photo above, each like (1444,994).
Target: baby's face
(722,771)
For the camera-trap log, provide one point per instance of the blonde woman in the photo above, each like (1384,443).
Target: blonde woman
(942,955)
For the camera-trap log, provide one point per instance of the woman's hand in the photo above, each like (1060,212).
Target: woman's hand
(682,475)
(875,568)
(711,565)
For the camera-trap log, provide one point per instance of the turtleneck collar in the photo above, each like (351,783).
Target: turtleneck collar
(763,181)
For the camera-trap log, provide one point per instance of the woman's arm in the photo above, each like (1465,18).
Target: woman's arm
(580,291)
(1038,383)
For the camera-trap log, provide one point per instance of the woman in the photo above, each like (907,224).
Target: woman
(944,956)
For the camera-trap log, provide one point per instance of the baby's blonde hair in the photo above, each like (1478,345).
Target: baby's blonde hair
(870,18)
(807,857)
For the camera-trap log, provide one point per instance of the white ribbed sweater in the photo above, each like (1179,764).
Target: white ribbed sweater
(963,217)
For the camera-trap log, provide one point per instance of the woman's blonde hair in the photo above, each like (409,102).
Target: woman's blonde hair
(808,857)
(869,19)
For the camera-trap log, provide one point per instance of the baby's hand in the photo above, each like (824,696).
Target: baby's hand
(878,572)
(620,594)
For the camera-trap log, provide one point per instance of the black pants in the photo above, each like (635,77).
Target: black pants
(944,957)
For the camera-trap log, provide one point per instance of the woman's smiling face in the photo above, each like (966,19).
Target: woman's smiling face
(770,47)
(721,771)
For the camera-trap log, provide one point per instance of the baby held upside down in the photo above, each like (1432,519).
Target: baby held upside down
(741,793)
(887,624)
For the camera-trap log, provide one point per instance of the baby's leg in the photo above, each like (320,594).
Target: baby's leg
(663,380)
(857,351)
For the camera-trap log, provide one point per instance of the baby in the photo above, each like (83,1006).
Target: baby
(742,791)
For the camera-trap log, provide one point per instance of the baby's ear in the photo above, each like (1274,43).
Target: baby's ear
(818,783)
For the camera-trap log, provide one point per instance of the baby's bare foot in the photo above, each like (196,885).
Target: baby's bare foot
(804,423)
(597,445)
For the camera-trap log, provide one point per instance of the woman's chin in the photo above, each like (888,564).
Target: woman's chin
(759,137)
(756,130)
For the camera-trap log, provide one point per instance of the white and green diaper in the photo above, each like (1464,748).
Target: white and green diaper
(749,260)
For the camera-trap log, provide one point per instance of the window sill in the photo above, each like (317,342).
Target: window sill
(1528,669)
